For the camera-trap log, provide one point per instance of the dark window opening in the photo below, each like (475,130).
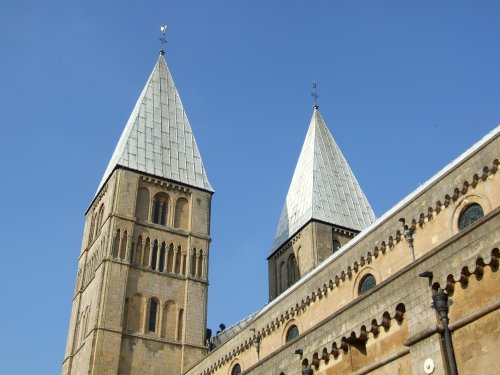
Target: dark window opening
(470,215)
(193,263)
(293,271)
(292,333)
(367,283)
(160,209)
(163,213)
(153,307)
(154,256)
(236,370)
(161,267)
(156,212)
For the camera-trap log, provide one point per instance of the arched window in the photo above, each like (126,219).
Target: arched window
(283,277)
(293,272)
(470,215)
(153,309)
(116,247)
(161,267)
(99,220)
(146,255)
(135,313)
(168,325)
(236,370)
(367,283)
(142,204)
(292,333)
(193,263)
(123,247)
(199,270)
(138,251)
(82,327)
(160,209)
(91,232)
(170,258)
(181,213)
(154,255)
(178,260)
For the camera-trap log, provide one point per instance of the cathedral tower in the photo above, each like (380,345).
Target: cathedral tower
(140,300)
(324,208)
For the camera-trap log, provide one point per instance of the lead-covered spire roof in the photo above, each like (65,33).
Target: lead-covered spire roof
(323,187)
(157,138)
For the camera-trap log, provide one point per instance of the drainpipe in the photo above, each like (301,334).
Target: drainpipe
(441,304)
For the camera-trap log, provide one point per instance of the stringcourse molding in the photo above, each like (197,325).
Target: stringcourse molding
(473,267)
(166,184)
(287,245)
(341,344)
(453,196)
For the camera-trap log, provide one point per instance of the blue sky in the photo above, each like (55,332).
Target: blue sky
(404,87)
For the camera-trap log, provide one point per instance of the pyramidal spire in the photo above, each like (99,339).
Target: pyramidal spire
(323,187)
(158,139)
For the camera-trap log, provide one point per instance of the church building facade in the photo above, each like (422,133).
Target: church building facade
(412,292)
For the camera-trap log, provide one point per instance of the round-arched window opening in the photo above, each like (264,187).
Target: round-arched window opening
(368,282)
(236,370)
(470,215)
(292,333)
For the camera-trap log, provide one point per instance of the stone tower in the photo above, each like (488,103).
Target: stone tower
(324,209)
(140,300)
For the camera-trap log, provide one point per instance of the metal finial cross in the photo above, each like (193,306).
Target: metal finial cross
(163,39)
(315,95)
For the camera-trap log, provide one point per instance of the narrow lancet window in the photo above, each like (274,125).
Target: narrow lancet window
(199,271)
(142,204)
(156,212)
(178,260)
(161,267)
(160,209)
(154,255)
(293,272)
(193,263)
(153,307)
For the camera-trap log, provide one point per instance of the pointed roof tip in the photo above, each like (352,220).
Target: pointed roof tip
(157,138)
(316,106)
(162,52)
(323,188)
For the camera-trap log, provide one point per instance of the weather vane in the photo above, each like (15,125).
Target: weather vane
(315,95)
(163,39)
